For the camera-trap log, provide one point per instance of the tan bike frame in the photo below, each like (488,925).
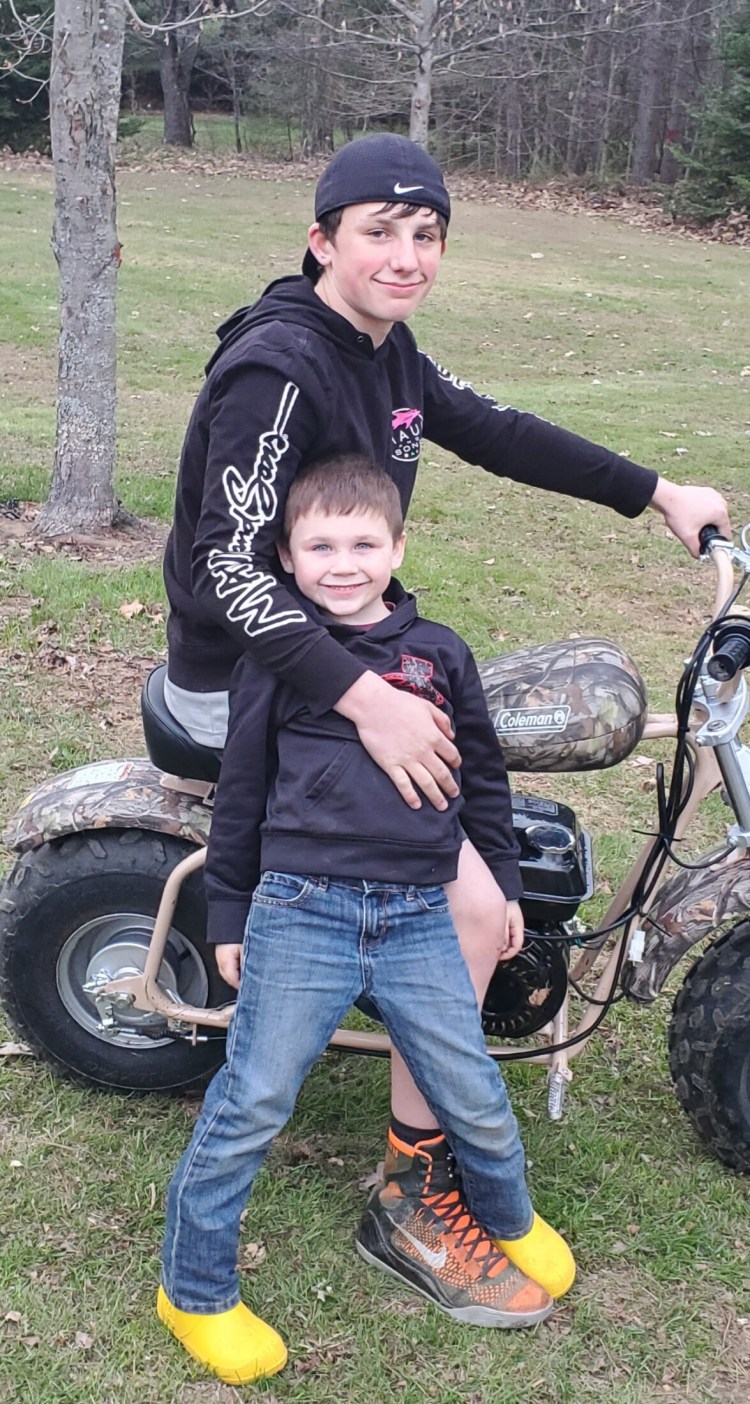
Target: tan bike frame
(145,993)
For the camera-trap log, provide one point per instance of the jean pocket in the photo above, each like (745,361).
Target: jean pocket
(432,899)
(284,890)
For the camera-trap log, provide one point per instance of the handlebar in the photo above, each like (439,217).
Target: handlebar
(731,651)
(731,639)
(707,536)
(724,557)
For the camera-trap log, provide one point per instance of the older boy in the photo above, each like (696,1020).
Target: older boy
(323,364)
(347,897)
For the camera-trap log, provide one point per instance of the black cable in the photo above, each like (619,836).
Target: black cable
(699,867)
(590,998)
(671,804)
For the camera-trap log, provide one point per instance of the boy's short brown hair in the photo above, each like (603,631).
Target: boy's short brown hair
(340,486)
(400,209)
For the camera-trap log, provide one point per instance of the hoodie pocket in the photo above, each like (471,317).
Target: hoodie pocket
(329,778)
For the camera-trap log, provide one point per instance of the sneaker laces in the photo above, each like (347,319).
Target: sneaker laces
(449,1207)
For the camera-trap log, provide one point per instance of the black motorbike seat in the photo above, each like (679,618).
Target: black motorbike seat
(169,745)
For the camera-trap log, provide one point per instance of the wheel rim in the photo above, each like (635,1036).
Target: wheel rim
(113,947)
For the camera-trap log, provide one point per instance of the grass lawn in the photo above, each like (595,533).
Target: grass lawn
(634,339)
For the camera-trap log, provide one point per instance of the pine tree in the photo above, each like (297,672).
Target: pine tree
(718,168)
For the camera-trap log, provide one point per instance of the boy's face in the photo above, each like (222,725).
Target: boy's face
(343,563)
(379,268)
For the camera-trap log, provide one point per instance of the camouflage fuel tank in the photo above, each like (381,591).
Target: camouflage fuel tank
(579,704)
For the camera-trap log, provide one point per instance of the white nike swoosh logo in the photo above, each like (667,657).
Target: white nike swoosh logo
(432,1258)
(406,189)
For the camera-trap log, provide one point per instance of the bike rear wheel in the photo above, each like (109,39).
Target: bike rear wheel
(80,910)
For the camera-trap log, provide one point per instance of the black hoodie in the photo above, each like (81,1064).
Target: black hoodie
(323,807)
(293,381)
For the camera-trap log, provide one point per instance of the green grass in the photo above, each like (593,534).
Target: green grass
(660,1230)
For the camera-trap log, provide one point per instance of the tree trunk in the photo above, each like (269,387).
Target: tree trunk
(237,110)
(425,21)
(602,142)
(687,78)
(176,61)
(84,102)
(316,119)
(652,86)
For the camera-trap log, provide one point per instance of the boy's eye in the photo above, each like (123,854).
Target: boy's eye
(321,546)
(363,546)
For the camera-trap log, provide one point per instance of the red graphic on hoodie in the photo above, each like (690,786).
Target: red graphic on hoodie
(416,676)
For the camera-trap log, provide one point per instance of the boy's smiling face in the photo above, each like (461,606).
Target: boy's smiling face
(377,268)
(343,563)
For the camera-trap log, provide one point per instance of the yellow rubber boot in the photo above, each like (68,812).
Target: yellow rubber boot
(235,1345)
(543,1256)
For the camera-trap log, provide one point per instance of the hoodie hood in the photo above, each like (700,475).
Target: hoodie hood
(397,621)
(293,300)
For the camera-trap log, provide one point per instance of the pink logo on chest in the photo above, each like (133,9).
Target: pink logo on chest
(406,426)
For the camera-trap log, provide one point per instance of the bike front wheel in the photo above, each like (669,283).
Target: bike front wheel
(709,1047)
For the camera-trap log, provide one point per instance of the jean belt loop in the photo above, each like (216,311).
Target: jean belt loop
(322,883)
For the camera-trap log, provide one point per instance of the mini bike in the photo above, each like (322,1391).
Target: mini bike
(104,967)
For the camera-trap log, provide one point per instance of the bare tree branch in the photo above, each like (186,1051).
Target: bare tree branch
(204,10)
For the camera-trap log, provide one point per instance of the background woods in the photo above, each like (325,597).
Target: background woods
(632,90)
(512,88)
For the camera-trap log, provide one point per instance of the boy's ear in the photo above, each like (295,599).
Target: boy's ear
(284,556)
(319,245)
(398,550)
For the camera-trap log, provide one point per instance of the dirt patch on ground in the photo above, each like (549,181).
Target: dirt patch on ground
(126,545)
(28,372)
(99,680)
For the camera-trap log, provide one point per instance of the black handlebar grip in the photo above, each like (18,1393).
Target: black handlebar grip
(732,654)
(706,535)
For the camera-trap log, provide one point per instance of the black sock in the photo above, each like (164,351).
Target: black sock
(412,1135)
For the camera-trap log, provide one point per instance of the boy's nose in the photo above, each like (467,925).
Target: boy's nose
(404,256)
(344,565)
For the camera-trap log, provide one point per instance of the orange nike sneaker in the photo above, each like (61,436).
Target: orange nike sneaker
(417,1228)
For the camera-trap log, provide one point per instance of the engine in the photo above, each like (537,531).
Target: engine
(558,874)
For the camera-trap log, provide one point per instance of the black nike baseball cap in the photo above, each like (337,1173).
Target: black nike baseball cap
(385,167)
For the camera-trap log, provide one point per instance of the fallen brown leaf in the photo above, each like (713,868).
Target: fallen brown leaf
(374,1178)
(130,610)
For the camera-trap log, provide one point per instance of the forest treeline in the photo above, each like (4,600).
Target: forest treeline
(637,90)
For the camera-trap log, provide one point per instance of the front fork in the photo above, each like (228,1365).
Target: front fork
(686,908)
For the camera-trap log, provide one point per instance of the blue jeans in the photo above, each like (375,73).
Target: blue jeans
(312,946)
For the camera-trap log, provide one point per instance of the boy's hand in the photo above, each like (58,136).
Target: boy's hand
(229,961)
(409,738)
(514,931)
(686,509)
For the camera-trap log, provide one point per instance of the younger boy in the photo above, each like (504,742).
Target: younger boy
(347,898)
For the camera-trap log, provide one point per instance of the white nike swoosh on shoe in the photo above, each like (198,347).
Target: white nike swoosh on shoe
(406,189)
(431,1257)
